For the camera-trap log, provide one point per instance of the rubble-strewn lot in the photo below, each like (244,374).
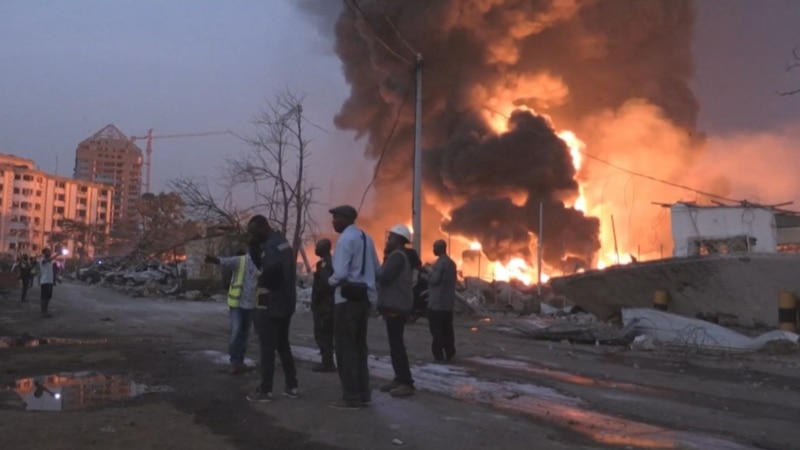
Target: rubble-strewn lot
(530,374)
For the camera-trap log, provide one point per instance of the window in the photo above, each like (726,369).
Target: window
(35,247)
(15,204)
(38,193)
(37,207)
(39,179)
(12,246)
(60,197)
(27,192)
(27,177)
(17,176)
(82,201)
(16,190)
(61,184)
(59,210)
(83,189)
(82,213)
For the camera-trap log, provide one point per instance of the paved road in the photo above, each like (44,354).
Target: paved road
(504,392)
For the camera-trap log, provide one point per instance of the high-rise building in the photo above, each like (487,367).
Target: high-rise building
(36,209)
(109,156)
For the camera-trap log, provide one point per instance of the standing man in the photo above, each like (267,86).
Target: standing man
(395,303)
(441,300)
(354,267)
(241,301)
(277,298)
(47,278)
(322,306)
(25,275)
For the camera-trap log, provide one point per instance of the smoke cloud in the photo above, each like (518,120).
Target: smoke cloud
(559,64)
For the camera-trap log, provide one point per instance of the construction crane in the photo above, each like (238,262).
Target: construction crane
(149,149)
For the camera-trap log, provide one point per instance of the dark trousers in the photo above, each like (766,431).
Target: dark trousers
(441,326)
(350,329)
(273,336)
(240,331)
(323,330)
(27,282)
(395,328)
(46,295)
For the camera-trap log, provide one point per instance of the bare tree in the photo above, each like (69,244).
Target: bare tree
(201,205)
(275,167)
(790,67)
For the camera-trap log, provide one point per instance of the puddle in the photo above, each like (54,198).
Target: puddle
(76,391)
(30,341)
(542,403)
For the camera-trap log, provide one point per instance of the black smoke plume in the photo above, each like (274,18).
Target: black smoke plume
(566,59)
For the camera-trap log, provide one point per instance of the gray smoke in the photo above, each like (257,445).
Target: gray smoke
(569,59)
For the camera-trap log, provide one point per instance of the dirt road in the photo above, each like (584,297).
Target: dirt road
(118,372)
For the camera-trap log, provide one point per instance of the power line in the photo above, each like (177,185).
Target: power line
(626,170)
(400,35)
(356,10)
(385,146)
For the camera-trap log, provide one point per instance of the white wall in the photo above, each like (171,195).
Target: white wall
(690,223)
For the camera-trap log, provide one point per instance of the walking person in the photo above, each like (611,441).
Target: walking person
(355,263)
(277,299)
(441,301)
(395,303)
(25,275)
(241,302)
(322,306)
(48,270)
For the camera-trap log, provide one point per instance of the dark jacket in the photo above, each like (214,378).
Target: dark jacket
(278,277)
(442,285)
(394,284)
(322,293)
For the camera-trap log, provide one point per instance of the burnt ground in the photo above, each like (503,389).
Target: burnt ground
(503,392)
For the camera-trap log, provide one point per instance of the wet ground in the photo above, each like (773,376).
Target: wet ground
(124,373)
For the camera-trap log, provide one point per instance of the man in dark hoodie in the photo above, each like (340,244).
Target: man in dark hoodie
(395,303)
(277,298)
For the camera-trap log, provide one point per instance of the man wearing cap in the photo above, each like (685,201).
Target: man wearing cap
(355,264)
(395,303)
(441,300)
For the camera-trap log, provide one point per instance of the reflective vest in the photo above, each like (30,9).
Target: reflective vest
(237,281)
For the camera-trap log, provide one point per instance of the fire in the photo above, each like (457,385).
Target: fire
(576,146)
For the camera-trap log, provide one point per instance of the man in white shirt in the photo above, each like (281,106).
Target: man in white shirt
(355,264)
(47,278)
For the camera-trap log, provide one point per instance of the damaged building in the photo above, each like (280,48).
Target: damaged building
(729,263)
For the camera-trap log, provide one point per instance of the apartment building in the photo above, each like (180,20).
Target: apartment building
(109,156)
(34,206)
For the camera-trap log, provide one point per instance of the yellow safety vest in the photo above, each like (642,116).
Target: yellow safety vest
(237,281)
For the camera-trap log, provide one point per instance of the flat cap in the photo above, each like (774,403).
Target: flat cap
(345,211)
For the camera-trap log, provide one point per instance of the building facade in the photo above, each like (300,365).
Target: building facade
(109,156)
(39,210)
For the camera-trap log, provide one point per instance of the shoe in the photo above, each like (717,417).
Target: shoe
(402,390)
(238,369)
(260,397)
(388,386)
(342,404)
(292,393)
(323,368)
(451,357)
(366,400)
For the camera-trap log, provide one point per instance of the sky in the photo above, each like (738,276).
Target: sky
(182,66)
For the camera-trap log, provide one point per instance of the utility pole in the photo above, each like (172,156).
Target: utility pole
(416,205)
(540,250)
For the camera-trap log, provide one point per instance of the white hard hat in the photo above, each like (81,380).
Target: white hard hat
(402,231)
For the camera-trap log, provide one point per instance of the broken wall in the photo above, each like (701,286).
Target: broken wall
(690,223)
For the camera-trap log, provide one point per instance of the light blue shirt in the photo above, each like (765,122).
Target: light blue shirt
(347,261)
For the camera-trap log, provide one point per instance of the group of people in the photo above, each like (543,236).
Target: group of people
(46,269)
(349,283)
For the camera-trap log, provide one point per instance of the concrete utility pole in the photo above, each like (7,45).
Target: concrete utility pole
(416,205)
(539,250)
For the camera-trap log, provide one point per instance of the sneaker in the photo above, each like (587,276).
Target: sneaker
(402,390)
(388,386)
(291,393)
(258,396)
(342,404)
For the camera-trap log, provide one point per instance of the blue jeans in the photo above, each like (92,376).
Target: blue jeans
(241,319)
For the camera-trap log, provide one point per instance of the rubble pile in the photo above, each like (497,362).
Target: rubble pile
(134,276)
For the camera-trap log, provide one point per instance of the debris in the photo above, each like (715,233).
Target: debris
(643,342)
(672,329)
(396,441)
(193,295)
(577,328)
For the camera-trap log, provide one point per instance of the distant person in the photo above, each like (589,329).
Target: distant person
(25,275)
(395,303)
(277,299)
(441,301)
(48,271)
(322,306)
(242,290)
(355,263)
